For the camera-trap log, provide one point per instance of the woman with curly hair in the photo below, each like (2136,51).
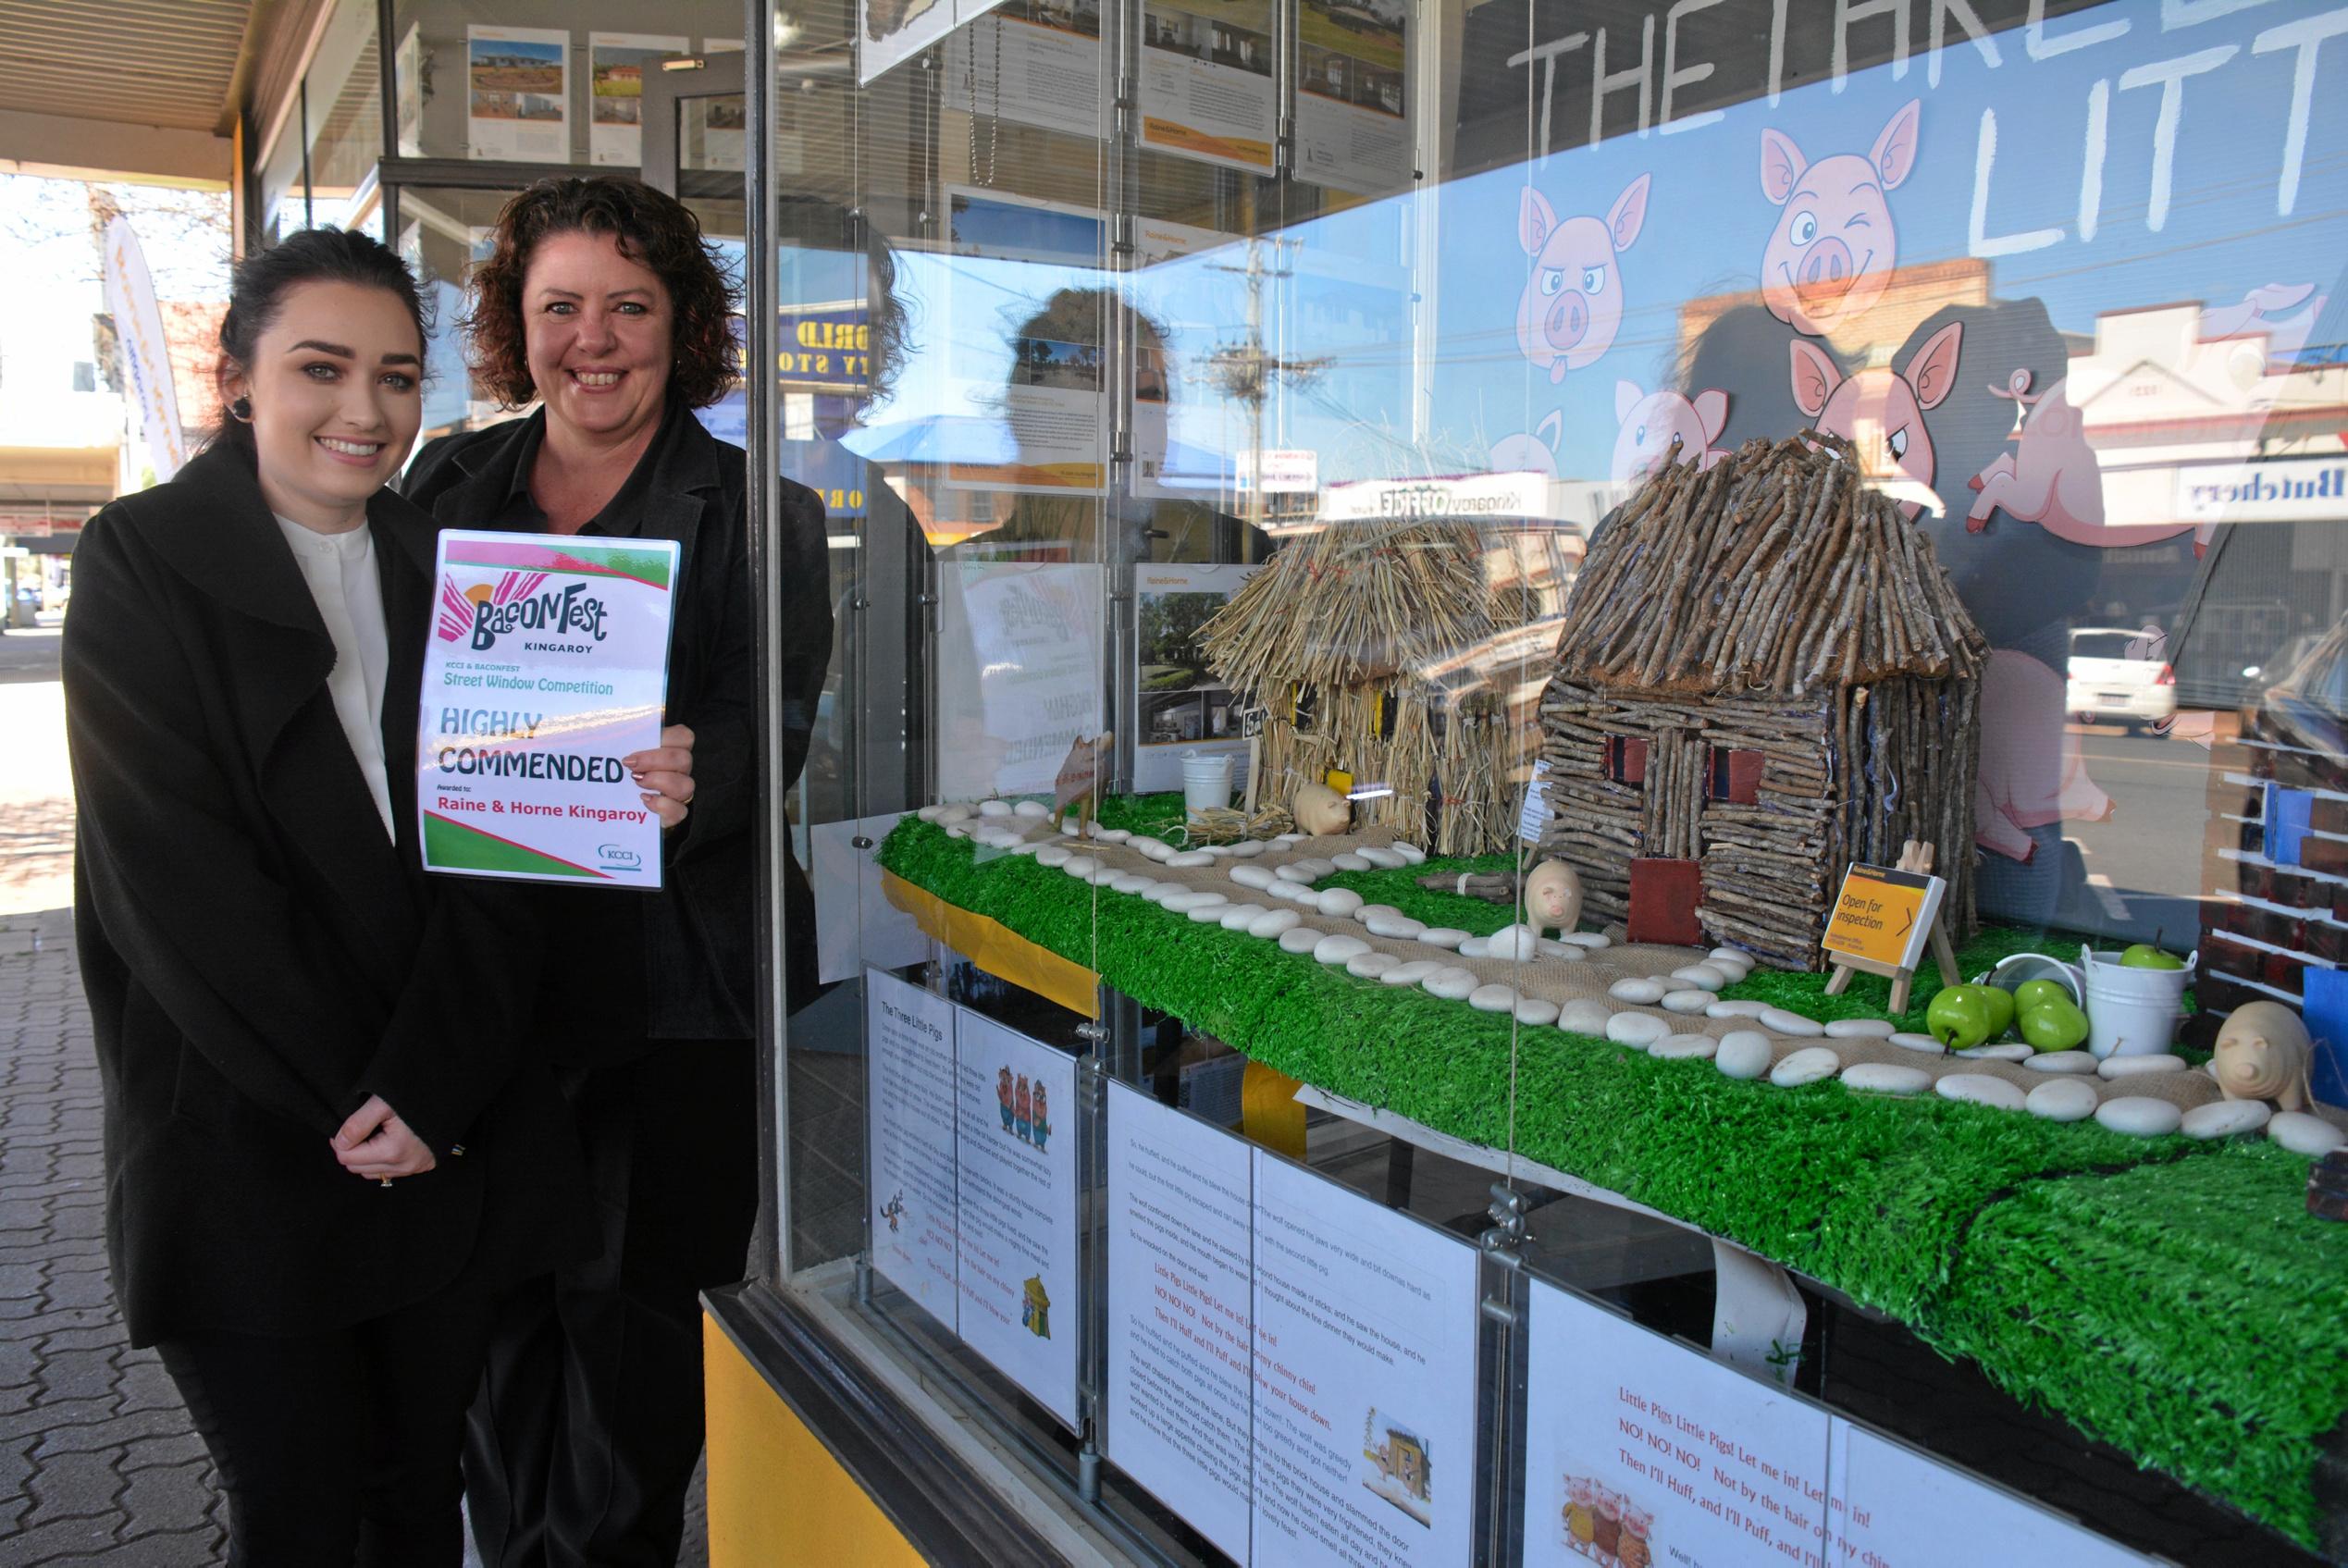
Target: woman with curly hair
(602,301)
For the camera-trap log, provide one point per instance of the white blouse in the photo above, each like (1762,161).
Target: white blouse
(339,569)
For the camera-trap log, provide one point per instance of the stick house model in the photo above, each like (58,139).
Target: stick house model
(1764,674)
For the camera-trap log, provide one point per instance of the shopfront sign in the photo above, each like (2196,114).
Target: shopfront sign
(1496,496)
(547,664)
(2291,489)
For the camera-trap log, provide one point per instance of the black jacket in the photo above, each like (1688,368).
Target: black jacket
(700,928)
(260,957)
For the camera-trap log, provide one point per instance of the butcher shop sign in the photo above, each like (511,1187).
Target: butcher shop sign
(2297,489)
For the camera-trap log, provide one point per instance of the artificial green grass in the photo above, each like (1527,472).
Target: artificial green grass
(1949,1216)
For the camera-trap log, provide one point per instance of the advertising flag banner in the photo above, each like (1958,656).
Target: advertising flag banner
(548,663)
(146,358)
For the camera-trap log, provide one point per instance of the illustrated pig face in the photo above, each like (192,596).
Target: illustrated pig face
(1881,412)
(1650,421)
(1832,254)
(1573,303)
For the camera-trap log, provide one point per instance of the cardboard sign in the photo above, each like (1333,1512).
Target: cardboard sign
(1883,916)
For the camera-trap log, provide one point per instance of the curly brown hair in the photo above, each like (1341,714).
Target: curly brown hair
(657,231)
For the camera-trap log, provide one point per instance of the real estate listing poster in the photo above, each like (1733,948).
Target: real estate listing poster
(1366,1334)
(616,66)
(1180,1388)
(519,82)
(1206,80)
(892,31)
(909,1132)
(1018,674)
(1180,706)
(1015,1168)
(1034,62)
(1352,126)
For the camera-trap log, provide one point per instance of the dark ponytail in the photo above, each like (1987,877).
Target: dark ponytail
(258,287)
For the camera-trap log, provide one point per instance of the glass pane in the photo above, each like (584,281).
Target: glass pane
(343,99)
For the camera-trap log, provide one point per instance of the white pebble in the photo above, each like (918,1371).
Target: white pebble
(929,813)
(1021,847)
(1493,999)
(1130,882)
(2225,1118)
(1411,853)
(1691,1001)
(1703,977)
(1514,944)
(1080,866)
(1743,1053)
(1217,851)
(1113,835)
(1032,809)
(1736,1008)
(1248,848)
(994,808)
(1164,892)
(1393,924)
(1980,1089)
(1253,876)
(1054,854)
(1369,912)
(2139,1067)
(1210,914)
(957,830)
(1349,862)
(1189,858)
(1067,832)
(2139,1116)
(1783,1022)
(1409,972)
(1274,922)
(1370,966)
(1340,901)
(1310,869)
(1188,899)
(1294,893)
(2062,1099)
(1384,859)
(1644,991)
(1476,947)
(1337,947)
(1442,936)
(1279,840)
(1925,1042)
(1536,1011)
(1301,939)
(1591,940)
(954,814)
(1683,1047)
(2076,1063)
(1858,1029)
(2303,1133)
(995,838)
(1239,917)
(1636,1028)
(1886,1078)
(1732,955)
(1584,1016)
(1453,984)
(1806,1066)
(1154,849)
(1996,1054)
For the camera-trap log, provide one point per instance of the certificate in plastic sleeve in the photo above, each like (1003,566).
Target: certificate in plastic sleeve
(548,663)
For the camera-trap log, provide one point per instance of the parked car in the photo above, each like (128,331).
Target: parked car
(2114,676)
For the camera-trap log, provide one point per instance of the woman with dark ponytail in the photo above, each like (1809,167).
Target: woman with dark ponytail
(328,1147)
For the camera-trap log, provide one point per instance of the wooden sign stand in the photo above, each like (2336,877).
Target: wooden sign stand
(1915,857)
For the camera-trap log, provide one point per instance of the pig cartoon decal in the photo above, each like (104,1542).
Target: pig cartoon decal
(1832,254)
(1650,421)
(2051,478)
(1529,451)
(1573,303)
(1881,412)
(2031,775)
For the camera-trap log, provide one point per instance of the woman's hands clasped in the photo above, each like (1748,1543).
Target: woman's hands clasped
(377,1145)
(665,774)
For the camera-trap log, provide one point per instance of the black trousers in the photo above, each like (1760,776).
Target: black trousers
(340,1447)
(581,1446)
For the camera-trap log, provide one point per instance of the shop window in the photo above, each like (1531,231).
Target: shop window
(1734,775)
(1626,759)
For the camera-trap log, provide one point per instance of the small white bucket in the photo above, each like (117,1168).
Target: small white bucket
(1207,782)
(2132,1012)
(2017,968)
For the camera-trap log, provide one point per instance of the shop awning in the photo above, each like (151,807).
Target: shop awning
(127,89)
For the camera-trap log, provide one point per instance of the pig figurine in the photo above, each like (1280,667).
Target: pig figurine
(1831,255)
(2029,773)
(2264,1053)
(1881,412)
(1650,420)
(1573,303)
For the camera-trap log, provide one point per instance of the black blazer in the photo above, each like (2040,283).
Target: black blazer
(700,973)
(260,957)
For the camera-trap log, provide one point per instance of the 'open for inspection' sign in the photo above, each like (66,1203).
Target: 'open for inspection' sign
(1883,916)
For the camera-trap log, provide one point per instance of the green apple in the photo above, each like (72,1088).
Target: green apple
(1958,1018)
(2144,956)
(2031,993)
(2054,1026)
(2001,1008)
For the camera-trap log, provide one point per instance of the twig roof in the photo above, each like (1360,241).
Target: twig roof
(1779,569)
(1363,601)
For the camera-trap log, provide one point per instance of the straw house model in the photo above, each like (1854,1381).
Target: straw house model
(1392,652)
(1764,674)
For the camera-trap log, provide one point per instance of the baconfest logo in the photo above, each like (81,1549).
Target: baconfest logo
(487,611)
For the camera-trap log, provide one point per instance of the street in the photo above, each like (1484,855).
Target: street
(2143,863)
